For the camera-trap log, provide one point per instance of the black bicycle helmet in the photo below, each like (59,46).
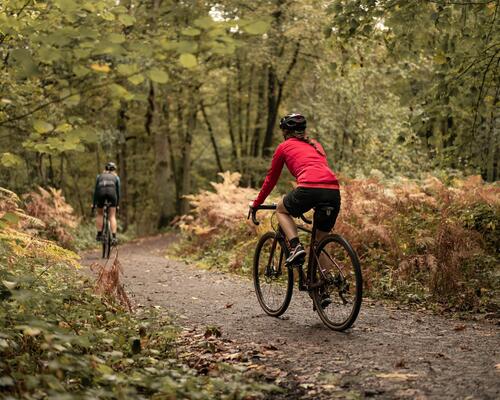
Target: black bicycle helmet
(111,166)
(293,122)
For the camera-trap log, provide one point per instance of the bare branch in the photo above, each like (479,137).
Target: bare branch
(479,97)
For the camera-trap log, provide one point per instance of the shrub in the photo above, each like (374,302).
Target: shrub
(60,339)
(50,206)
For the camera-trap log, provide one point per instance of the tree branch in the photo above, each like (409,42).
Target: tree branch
(60,99)
(481,91)
(472,64)
(493,22)
(461,3)
(292,64)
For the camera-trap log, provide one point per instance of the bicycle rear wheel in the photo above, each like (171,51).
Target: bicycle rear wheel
(104,245)
(109,240)
(340,275)
(106,240)
(273,281)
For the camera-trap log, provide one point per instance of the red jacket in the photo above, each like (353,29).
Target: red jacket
(309,167)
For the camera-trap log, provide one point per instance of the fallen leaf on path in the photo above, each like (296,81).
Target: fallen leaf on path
(397,376)
(229,305)
(307,385)
(459,328)
(234,356)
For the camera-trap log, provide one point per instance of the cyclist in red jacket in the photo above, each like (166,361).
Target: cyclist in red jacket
(316,183)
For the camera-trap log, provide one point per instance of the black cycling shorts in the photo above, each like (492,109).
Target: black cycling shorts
(108,194)
(302,199)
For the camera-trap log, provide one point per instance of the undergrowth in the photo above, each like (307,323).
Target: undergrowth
(64,336)
(420,242)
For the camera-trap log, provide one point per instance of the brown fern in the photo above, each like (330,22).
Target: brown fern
(108,283)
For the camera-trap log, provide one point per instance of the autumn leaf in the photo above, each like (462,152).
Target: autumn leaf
(100,67)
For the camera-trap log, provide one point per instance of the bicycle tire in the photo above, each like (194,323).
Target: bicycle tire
(263,277)
(104,245)
(109,239)
(106,236)
(340,285)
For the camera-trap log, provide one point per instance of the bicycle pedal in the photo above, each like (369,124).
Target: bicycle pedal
(297,263)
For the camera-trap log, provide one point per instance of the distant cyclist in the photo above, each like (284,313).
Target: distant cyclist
(107,188)
(305,158)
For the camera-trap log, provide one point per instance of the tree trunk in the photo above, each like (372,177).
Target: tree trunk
(122,162)
(259,117)
(212,137)
(272,97)
(239,107)
(246,148)
(186,157)
(234,146)
(97,159)
(173,163)
(76,190)
(61,171)
(494,146)
(162,172)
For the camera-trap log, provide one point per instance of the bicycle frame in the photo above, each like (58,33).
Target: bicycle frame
(305,279)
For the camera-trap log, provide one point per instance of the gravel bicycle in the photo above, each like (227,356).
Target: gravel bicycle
(332,271)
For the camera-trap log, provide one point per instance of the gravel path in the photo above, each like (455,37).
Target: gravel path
(388,354)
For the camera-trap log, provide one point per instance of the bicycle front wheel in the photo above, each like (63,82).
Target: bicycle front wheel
(337,273)
(273,281)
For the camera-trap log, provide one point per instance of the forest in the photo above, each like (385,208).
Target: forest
(176,92)
(185,96)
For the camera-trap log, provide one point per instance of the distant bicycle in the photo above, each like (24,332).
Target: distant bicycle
(332,278)
(107,238)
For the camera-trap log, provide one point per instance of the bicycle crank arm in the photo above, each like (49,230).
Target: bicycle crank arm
(316,285)
(303,287)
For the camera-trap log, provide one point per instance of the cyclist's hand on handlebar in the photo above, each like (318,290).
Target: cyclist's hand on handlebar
(250,210)
(251,213)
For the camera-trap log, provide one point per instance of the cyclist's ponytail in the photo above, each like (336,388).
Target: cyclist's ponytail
(302,137)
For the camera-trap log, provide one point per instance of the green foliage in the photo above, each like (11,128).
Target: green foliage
(58,338)
(157,75)
(188,60)
(10,160)
(257,27)
(457,44)
(389,87)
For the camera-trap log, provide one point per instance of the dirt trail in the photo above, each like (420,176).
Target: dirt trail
(388,354)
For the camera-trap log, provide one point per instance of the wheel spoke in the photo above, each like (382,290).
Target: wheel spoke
(271,282)
(340,273)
